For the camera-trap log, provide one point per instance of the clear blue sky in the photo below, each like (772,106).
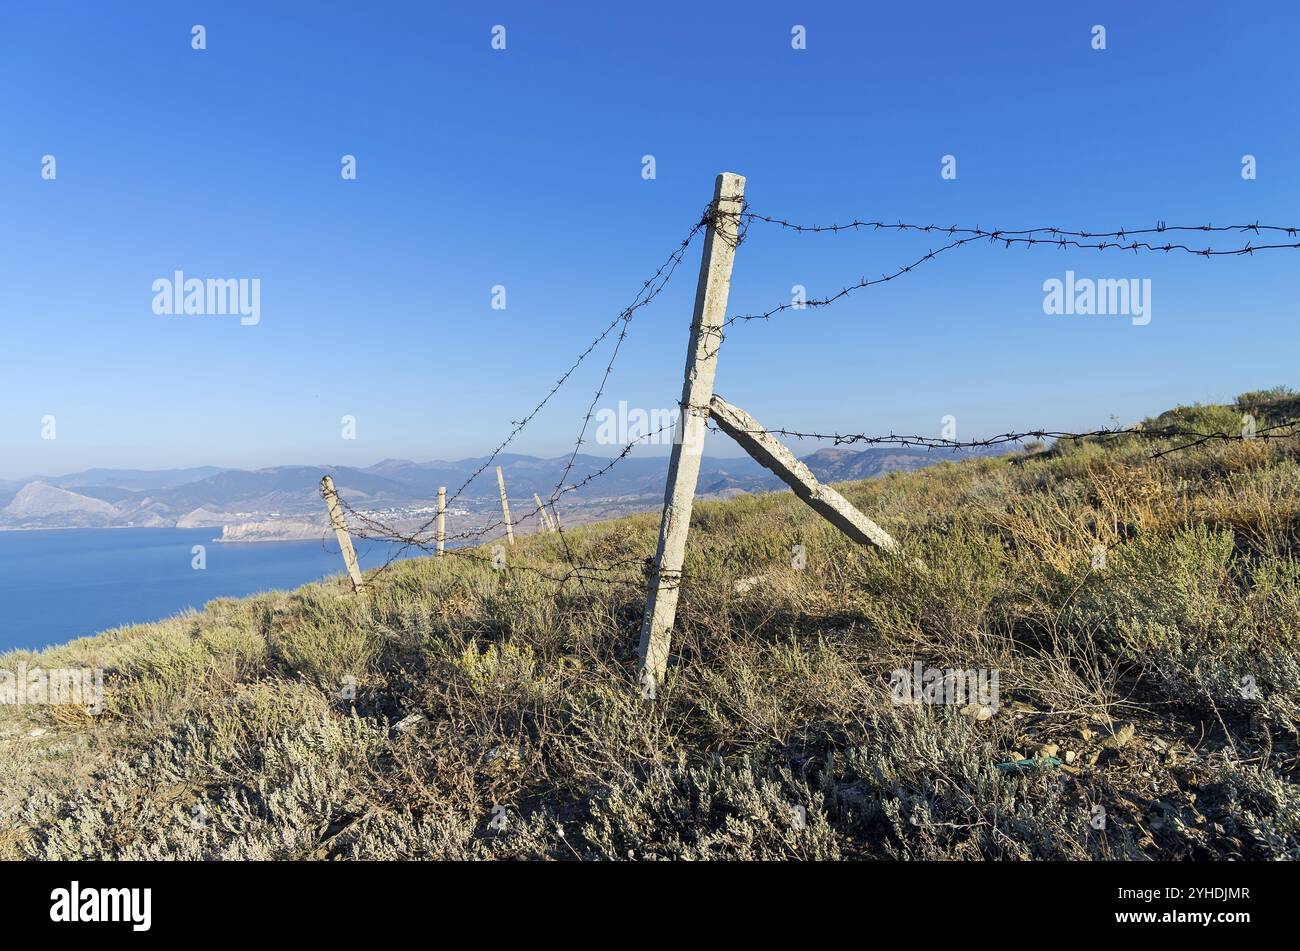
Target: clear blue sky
(523,168)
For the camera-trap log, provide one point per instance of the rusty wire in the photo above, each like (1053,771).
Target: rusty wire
(1195,437)
(1122,239)
(1047,236)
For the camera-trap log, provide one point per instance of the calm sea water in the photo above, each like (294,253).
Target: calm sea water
(57,585)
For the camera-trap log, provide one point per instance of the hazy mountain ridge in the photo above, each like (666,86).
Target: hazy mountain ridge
(208,496)
(841,465)
(41,501)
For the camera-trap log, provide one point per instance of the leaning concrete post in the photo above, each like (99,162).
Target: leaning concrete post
(505,507)
(442,517)
(341,532)
(541,510)
(684,464)
(824,500)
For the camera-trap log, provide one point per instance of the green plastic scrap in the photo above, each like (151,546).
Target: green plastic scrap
(1023,764)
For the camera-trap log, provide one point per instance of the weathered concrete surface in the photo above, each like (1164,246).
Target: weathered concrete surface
(505,507)
(547,525)
(341,532)
(684,464)
(442,518)
(769,452)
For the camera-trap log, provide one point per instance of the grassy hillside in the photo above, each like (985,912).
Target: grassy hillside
(228,734)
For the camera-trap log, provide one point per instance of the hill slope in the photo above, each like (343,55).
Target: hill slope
(1141,615)
(39,500)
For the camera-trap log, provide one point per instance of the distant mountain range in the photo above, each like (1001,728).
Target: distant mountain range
(210,496)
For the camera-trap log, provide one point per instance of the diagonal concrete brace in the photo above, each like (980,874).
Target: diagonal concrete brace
(769,452)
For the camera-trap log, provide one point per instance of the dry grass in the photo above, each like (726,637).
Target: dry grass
(268,727)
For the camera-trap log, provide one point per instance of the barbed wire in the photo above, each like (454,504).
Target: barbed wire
(1056,237)
(707,220)
(600,572)
(649,290)
(369,526)
(1198,437)
(372,528)
(385,532)
(607,571)
(1160,227)
(579,572)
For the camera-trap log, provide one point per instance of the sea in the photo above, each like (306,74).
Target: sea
(69,583)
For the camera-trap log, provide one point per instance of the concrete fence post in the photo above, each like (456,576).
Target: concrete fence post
(442,518)
(684,464)
(505,507)
(541,511)
(341,532)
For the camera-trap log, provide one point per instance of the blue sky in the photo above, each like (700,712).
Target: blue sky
(522,167)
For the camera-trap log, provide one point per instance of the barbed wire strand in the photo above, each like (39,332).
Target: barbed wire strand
(706,220)
(1197,437)
(370,528)
(1159,228)
(650,289)
(1057,237)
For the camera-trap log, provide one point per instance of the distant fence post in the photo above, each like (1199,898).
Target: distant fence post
(684,465)
(541,509)
(505,507)
(442,517)
(341,532)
